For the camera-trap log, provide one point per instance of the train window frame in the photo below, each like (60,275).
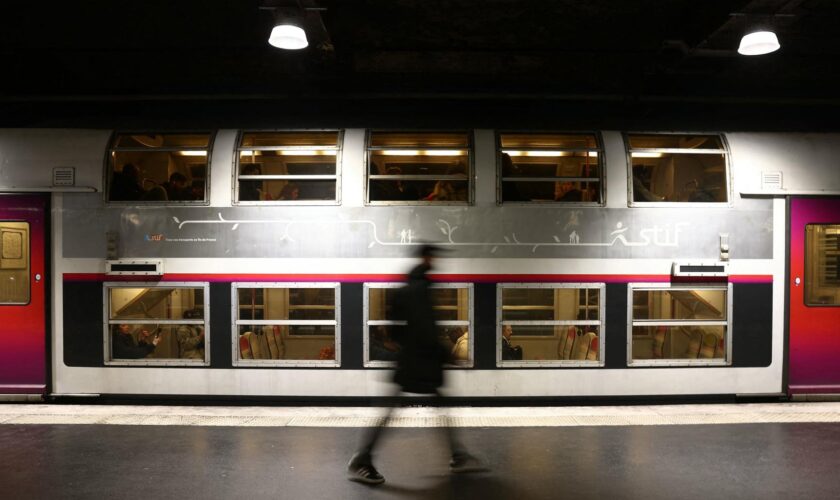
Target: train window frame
(601,323)
(108,323)
(725,151)
(367,323)
(282,363)
(470,180)
(339,148)
(602,171)
(110,167)
(813,281)
(677,362)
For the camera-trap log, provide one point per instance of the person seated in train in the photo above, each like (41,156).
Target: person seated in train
(443,191)
(124,345)
(566,191)
(641,193)
(190,337)
(461,349)
(176,187)
(290,192)
(510,190)
(127,185)
(249,189)
(382,347)
(510,352)
(396,190)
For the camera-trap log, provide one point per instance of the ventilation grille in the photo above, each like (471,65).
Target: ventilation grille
(64,176)
(771,181)
(131,267)
(701,269)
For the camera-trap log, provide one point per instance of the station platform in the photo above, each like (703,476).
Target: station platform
(778,450)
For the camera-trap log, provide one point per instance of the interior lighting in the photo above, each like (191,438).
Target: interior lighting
(758,43)
(646,155)
(308,152)
(287,35)
(423,152)
(193,153)
(547,154)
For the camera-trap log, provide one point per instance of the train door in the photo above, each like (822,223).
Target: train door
(22,294)
(814,296)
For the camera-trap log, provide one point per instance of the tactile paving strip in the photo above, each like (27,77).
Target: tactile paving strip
(419,417)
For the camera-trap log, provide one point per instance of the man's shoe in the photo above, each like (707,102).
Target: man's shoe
(363,472)
(466,463)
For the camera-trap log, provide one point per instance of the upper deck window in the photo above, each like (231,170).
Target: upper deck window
(159,168)
(417,168)
(288,168)
(548,168)
(678,168)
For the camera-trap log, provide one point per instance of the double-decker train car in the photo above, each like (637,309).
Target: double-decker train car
(265,263)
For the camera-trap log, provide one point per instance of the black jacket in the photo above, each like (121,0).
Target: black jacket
(125,347)
(421,358)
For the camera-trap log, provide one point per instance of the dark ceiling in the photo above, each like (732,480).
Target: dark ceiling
(494,63)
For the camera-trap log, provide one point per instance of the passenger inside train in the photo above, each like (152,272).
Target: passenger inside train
(136,344)
(510,352)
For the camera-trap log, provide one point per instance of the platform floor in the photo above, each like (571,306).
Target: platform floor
(648,452)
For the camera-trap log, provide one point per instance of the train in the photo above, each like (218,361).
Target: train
(266,263)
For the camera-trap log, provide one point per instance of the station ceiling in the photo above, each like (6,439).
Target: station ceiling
(495,63)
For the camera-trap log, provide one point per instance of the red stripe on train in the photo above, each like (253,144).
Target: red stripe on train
(366,278)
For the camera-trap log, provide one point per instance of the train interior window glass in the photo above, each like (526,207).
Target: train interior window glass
(14,262)
(382,323)
(678,168)
(295,323)
(156,322)
(419,168)
(680,324)
(540,167)
(451,306)
(550,323)
(161,168)
(822,264)
(287,167)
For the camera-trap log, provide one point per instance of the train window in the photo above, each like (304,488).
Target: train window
(679,325)
(157,324)
(822,264)
(14,262)
(419,168)
(452,304)
(288,168)
(669,168)
(550,168)
(550,324)
(286,324)
(158,168)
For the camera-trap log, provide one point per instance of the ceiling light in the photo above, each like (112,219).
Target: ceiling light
(646,155)
(758,43)
(287,35)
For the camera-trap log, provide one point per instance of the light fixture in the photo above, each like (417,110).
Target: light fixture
(758,43)
(288,31)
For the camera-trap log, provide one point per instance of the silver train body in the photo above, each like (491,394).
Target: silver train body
(348,244)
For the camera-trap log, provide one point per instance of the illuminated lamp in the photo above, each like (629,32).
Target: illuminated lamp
(288,33)
(758,43)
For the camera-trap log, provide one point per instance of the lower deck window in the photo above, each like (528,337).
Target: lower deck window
(452,305)
(542,324)
(156,324)
(679,325)
(286,324)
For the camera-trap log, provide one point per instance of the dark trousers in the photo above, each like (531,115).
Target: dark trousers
(372,434)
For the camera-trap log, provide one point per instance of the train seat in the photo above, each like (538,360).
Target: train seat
(582,345)
(694,342)
(259,346)
(245,346)
(707,350)
(567,343)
